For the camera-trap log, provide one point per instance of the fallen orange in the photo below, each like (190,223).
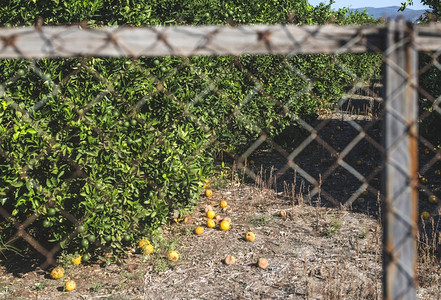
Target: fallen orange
(57,272)
(143,242)
(225,225)
(425,215)
(432,199)
(77,260)
(199,230)
(70,285)
(250,236)
(211,214)
(173,255)
(147,250)
(211,223)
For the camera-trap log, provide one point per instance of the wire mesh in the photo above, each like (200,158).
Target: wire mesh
(53,136)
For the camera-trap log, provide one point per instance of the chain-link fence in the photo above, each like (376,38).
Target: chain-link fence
(174,95)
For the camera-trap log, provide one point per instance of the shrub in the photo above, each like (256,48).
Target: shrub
(429,82)
(96,152)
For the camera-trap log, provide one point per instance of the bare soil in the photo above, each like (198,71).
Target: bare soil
(315,252)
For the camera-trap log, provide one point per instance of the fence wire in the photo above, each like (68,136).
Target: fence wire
(340,170)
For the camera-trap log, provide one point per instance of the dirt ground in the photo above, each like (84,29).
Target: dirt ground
(320,250)
(315,252)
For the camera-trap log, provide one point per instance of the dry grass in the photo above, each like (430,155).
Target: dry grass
(314,253)
(429,270)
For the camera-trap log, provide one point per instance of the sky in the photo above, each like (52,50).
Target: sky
(371,3)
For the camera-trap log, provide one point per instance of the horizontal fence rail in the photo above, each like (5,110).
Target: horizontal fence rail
(74,41)
(399,43)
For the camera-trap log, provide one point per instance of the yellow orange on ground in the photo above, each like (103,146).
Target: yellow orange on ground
(211,223)
(283,214)
(211,214)
(359,162)
(424,180)
(223,204)
(143,242)
(208,193)
(199,230)
(425,215)
(224,225)
(432,199)
(77,260)
(57,272)
(250,236)
(173,255)
(70,285)
(147,249)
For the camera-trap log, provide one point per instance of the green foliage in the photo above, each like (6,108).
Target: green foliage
(101,151)
(96,287)
(88,152)
(159,12)
(40,286)
(430,106)
(334,226)
(432,14)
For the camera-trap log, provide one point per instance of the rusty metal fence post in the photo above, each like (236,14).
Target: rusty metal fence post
(401,163)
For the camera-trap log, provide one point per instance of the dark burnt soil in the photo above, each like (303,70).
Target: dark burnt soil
(318,169)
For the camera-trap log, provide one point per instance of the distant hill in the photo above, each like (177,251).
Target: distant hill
(391,12)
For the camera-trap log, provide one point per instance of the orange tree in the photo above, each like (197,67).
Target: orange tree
(96,152)
(429,80)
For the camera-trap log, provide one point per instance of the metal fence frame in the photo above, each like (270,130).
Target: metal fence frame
(398,41)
